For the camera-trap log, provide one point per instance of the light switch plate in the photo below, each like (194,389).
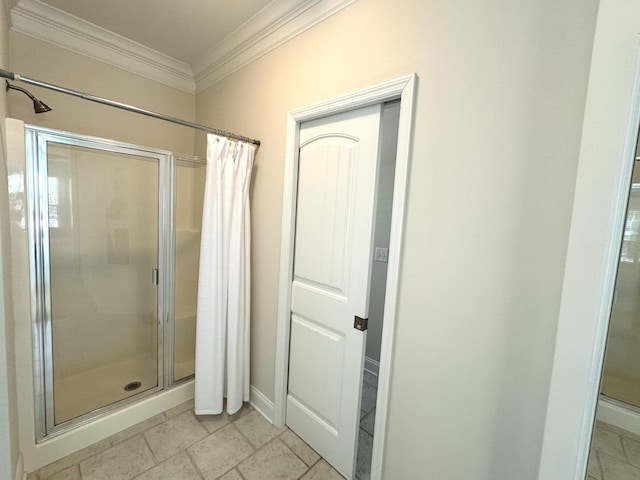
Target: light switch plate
(381,255)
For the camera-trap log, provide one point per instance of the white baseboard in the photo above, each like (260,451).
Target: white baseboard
(372,366)
(618,417)
(261,403)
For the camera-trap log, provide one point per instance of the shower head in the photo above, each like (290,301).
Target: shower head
(38,105)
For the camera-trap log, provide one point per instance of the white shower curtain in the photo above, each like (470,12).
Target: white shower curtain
(222,332)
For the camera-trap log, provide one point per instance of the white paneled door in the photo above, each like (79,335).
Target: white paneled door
(337,178)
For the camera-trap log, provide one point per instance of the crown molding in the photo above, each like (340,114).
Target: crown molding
(47,23)
(6,18)
(274,25)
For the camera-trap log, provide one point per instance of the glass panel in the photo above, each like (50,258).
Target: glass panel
(621,376)
(103,244)
(189,200)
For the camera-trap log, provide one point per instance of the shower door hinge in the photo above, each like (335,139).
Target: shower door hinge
(360,323)
(154,276)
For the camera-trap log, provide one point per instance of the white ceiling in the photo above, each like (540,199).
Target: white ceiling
(183,29)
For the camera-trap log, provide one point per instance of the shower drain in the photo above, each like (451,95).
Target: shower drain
(129,387)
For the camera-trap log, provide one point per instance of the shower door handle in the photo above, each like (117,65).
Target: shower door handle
(154,276)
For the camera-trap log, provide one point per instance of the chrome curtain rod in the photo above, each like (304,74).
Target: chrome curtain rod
(124,106)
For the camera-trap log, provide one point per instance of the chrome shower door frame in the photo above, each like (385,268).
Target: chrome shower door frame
(37,139)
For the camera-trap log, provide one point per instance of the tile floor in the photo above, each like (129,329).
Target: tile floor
(367,422)
(615,454)
(178,445)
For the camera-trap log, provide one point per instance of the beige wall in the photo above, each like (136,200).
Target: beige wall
(48,63)
(9,450)
(497,126)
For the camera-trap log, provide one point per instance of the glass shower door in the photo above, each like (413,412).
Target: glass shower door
(189,198)
(621,375)
(101,304)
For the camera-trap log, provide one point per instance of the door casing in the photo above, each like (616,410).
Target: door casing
(402,88)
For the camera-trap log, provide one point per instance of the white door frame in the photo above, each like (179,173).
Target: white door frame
(404,89)
(609,133)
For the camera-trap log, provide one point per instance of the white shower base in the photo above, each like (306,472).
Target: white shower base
(619,416)
(83,392)
(39,455)
(89,390)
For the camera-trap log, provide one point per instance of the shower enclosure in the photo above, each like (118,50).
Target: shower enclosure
(114,267)
(621,375)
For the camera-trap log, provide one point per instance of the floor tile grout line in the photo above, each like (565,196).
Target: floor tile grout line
(251,443)
(193,462)
(239,472)
(156,461)
(308,467)
(245,437)
(111,445)
(84,459)
(602,475)
(150,468)
(289,430)
(157,464)
(133,426)
(109,442)
(206,434)
(603,456)
(153,455)
(596,454)
(231,469)
(371,459)
(277,436)
(624,450)
(141,473)
(230,422)
(256,450)
(317,461)
(617,430)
